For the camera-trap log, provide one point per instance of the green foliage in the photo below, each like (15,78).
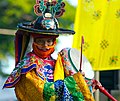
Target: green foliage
(6,46)
(67,20)
(13,12)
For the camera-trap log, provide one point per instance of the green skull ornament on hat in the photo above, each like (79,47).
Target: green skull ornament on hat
(46,23)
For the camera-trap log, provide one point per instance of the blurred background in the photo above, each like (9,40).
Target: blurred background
(13,12)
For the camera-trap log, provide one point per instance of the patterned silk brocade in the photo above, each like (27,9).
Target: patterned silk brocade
(33,81)
(44,69)
(30,87)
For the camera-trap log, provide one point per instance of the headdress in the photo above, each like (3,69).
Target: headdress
(46,24)
(47,11)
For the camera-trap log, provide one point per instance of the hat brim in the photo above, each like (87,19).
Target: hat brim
(29,28)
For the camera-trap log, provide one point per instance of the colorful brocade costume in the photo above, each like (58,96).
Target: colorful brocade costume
(33,81)
(43,67)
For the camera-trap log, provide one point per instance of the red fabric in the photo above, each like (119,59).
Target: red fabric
(43,54)
(16,49)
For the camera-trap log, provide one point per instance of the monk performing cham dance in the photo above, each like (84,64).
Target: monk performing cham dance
(37,76)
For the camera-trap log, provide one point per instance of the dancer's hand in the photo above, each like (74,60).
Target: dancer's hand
(95,85)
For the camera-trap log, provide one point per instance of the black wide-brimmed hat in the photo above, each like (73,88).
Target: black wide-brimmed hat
(46,23)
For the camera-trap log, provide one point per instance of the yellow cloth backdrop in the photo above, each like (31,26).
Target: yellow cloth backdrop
(98,21)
